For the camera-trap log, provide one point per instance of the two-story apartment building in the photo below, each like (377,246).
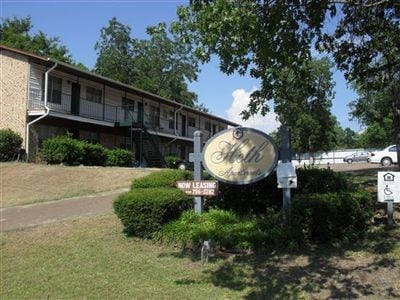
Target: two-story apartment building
(42,97)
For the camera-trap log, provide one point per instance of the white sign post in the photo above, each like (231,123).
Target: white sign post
(389,191)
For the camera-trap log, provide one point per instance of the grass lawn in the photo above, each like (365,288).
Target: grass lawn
(23,183)
(91,258)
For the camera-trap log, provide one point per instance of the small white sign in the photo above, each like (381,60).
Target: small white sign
(389,187)
(286,175)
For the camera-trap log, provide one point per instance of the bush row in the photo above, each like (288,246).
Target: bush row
(325,208)
(65,149)
(10,143)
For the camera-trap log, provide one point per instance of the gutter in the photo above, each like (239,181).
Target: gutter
(46,84)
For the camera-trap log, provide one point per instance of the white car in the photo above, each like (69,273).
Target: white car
(385,157)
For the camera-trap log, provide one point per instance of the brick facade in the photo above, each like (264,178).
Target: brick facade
(13,92)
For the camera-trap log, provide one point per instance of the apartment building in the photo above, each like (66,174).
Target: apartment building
(42,98)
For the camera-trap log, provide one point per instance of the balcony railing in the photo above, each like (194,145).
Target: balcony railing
(109,113)
(85,108)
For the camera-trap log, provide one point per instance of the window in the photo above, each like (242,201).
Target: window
(54,90)
(128,106)
(192,122)
(93,94)
(171,120)
(393,149)
(154,115)
(207,126)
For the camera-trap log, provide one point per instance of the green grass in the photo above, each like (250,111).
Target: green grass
(93,259)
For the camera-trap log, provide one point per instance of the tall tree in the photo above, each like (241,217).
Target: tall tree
(307,109)
(263,37)
(162,64)
(373,110)
(115,52)
(15,33)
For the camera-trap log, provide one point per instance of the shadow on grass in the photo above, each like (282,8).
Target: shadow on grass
(323,272)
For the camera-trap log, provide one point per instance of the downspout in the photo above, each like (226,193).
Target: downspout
(46,83)
(175,129)
(175,119)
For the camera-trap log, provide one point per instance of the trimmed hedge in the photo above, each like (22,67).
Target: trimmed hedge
(93,155)
(62,149)
(332,216)
(10,142)
(119,158)
(314,180)
(258,197)
(164,178)
(144,211)
(65,149)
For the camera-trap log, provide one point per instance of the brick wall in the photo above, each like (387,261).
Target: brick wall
(13,92)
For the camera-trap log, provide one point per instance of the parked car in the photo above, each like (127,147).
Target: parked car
(357,156)
(385,157)
(183,165)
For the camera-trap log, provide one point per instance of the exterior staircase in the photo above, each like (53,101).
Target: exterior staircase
(148,150)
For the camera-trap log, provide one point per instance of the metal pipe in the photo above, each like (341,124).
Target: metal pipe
(46,84)
(175,119)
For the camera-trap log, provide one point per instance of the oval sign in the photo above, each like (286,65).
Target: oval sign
(240,155)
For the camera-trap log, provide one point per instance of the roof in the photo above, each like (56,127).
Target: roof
(62,66)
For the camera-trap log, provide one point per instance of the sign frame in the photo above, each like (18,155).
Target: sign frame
(238,132)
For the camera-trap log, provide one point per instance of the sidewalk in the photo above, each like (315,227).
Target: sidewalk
(19,217)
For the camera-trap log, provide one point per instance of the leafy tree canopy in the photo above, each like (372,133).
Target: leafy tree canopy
(264,37)
(162,64)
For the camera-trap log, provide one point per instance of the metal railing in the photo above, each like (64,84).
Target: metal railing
(85,108)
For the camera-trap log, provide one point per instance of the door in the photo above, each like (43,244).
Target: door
(183,131)
(75,98)
(140,113)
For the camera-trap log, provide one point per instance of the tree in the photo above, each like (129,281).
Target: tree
(263,37)
(16,33)
(373,110)
(161,64)
(115,53)
(306,109)
(346,138)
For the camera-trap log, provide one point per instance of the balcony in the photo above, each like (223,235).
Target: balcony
(85,108)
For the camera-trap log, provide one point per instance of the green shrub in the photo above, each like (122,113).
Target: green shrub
(144,211)
(252,198)
(224,229)
(10,142)
(171,160)
(62,149)
(257,197)
(93,154)
(314,180)
(119,158)
(164,178)
(331,217)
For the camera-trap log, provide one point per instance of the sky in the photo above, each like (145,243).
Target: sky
(78,23)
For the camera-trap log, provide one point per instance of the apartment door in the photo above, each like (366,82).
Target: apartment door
(183,131)
(140,112)
(75,98)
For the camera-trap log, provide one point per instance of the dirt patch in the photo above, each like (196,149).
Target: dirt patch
(23,183)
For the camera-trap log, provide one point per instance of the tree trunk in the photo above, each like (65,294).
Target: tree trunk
(395,91)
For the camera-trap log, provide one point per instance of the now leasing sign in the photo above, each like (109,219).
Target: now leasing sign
(199,187)
(240,155)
